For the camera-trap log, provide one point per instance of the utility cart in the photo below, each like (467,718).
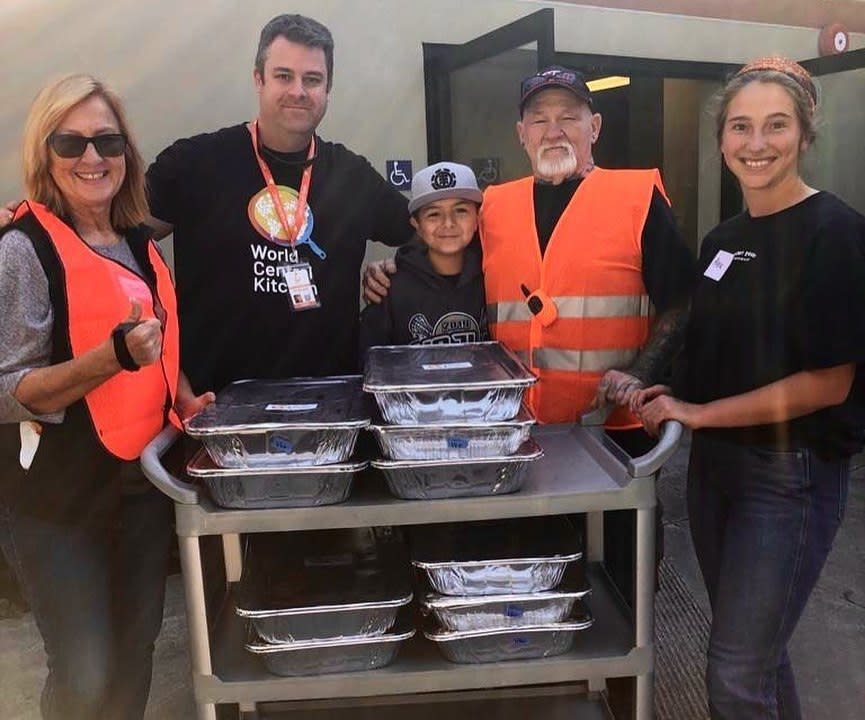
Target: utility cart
(581,471)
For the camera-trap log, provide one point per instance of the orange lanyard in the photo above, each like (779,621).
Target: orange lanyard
(300,206)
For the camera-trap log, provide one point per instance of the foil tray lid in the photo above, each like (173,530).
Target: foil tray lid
(202,465)
(535,539)
(579,619)
(469,366)
(529,450)
(574,585)
(288,573)
(523,419)
(402,630)
(249,406)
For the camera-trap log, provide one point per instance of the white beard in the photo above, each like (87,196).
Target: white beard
(546,166)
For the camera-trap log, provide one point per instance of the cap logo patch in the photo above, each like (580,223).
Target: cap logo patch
(443,178)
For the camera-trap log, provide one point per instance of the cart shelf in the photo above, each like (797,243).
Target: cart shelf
(605,650)
(579,473)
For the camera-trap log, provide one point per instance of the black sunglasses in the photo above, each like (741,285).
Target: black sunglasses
(67,145)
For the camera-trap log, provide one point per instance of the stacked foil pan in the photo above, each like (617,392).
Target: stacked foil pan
(502,590)
(326,601)
(453,425)
(280,443)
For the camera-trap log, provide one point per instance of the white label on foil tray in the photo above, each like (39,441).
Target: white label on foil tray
(291,408)
(447,366)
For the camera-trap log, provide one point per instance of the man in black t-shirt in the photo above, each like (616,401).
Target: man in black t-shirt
(270,225)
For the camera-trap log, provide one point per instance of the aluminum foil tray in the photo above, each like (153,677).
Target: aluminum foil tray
(471,382)
(434,479)
(454,441)
(507,611)
(534,641)
(320,657)
(323,585)
(496,557)
(277,423)
(266,487)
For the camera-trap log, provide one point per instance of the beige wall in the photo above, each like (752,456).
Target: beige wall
(184,66)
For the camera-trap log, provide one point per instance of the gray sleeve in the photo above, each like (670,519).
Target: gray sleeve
(26,322)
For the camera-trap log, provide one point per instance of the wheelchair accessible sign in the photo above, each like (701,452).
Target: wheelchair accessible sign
(398,173)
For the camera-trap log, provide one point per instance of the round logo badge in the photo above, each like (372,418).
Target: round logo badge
(264,218)
(443,178)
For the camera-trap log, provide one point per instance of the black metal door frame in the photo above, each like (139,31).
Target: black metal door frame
(441,59)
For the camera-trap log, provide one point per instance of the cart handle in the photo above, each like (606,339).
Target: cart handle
(652,461)
(177,490)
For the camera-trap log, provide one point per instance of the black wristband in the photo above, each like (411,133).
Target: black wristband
(121,351)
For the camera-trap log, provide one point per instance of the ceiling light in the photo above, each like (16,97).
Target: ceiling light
(608,83)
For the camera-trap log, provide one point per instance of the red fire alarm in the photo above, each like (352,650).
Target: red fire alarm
(834,39)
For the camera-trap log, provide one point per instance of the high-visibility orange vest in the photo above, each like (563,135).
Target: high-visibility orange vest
(130,408)
(595,311)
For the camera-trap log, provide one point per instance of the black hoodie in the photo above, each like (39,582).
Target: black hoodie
(424,307)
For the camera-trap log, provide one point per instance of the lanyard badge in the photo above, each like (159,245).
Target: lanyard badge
(301,288)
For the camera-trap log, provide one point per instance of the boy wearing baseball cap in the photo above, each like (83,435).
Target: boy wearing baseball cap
(437,293)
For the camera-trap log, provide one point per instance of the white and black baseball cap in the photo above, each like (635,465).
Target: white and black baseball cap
(441,181)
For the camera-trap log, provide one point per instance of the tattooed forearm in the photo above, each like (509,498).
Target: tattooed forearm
(663,344)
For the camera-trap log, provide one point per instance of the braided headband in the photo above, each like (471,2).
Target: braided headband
(790,68)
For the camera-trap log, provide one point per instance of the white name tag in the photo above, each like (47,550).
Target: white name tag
(447,366)
(305,407)
(719,265)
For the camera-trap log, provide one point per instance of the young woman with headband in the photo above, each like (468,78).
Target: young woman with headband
(772,387)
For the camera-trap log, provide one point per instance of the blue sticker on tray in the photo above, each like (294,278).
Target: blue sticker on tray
(279,444)
(521,641)
(514,611)
(458,443)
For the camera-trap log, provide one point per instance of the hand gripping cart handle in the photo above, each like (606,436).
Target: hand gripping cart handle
(652,461)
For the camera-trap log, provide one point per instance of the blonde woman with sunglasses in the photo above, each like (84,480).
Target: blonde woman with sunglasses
(88,375)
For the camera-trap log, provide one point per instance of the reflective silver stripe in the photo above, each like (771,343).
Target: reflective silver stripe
(509,312)
(523,355)
(602,306)
(575,306)
(581,360)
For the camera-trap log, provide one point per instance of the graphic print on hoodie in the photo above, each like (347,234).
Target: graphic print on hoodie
(423,307)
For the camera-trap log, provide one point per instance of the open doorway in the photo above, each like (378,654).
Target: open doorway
(662,117)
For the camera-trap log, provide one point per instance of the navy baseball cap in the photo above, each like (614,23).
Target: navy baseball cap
(555,76)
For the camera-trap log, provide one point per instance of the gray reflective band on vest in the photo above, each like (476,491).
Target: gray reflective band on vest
(581,360)
(575,307)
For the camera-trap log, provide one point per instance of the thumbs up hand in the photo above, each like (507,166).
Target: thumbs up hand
(144,337)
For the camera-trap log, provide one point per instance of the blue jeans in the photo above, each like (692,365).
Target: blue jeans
(763,522)
(96,594)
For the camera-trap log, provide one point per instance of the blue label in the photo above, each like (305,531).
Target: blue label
(458,443)
(521,641)
(514,611)
(280,444)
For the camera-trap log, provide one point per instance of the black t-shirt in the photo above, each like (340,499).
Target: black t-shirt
(668,264)
(235,317)
(792,298)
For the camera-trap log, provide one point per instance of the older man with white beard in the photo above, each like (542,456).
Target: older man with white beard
(586,274)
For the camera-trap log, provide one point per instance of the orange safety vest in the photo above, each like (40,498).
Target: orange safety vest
(129,409)
(595,309)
